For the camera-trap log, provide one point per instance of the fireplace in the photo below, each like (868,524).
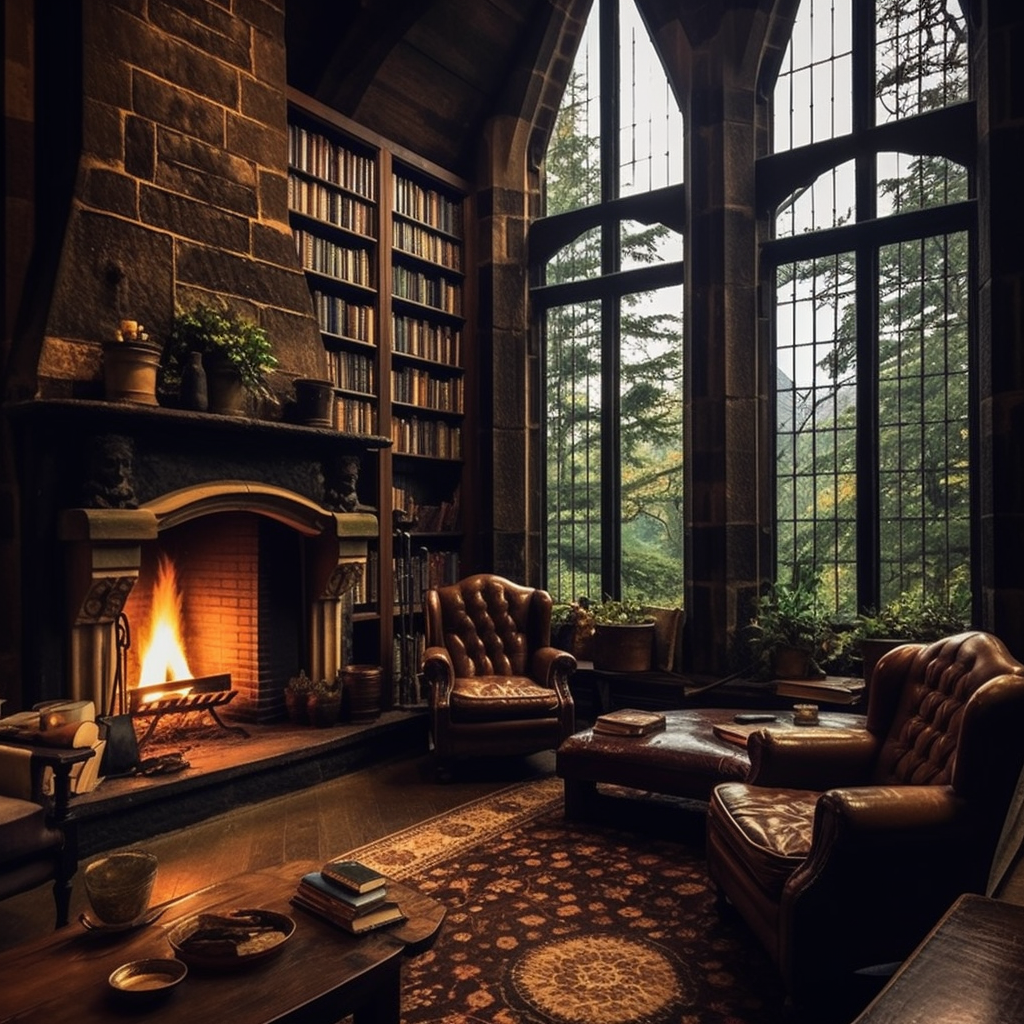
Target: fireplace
(261,522)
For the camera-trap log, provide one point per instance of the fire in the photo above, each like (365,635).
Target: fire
(164,658)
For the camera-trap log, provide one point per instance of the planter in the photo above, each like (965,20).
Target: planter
(792,663)
(129,372)
(324,709)
(314,402)
(226,392)
(361,687)
(623,648)
(296,705)
(873,649)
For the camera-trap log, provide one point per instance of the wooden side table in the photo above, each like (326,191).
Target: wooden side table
(967,970)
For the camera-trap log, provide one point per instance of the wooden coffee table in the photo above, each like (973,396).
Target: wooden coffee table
(321,975)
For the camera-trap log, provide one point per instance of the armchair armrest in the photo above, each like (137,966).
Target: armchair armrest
(60,761)
(874,848)
(439,672)
(811,758)
(549,663)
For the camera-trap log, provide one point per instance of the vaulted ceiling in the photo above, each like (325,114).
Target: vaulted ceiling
(423,73)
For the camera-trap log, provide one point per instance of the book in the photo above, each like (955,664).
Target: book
(739,732)
(353,875)
(378,916)
(316,887)
(629,722)
(834,691)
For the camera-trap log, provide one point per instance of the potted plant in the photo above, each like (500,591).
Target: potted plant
(236,355)
(790,635)
(130,365)
(909,618)
(323,703)
(623,636)
(296,692)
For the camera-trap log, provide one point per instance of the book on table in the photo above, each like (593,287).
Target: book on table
(629,722)
(316,887)
(321,893)
(353,875)
(379,915)
(827,691)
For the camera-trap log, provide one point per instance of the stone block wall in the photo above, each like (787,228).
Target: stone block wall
(180,187)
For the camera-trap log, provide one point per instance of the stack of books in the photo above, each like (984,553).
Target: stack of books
(629,722)
(350,895)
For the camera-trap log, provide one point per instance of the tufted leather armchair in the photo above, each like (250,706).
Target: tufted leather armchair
(497,686)
(842,848)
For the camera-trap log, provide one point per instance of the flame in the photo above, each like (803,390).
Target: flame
(164,658)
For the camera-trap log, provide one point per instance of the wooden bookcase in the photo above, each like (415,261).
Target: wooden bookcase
(382,236)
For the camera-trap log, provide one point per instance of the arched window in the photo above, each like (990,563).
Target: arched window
(606,260)
(870,191)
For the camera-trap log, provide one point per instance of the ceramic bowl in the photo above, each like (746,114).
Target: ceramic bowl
(119,886)
(146,981)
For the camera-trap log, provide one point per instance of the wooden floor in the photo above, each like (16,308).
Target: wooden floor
(309,824)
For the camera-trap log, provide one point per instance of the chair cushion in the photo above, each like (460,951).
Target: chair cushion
(490,698)
(24,830)
(767,829)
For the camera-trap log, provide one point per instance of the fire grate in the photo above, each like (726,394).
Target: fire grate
(207,693)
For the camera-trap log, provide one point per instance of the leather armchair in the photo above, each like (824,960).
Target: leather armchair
(497,686)
(842,848)
(38,841)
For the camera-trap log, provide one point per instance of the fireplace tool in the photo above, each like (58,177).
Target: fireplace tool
(406,648)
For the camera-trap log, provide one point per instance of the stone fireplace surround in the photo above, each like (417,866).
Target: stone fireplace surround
(105,482)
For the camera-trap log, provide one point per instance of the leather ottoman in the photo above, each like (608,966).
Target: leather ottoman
(684,759)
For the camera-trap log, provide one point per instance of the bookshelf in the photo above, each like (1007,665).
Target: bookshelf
(381,235)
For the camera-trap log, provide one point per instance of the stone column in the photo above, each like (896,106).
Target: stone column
(713,56)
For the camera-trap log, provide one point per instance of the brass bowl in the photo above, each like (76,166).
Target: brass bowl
(139,982)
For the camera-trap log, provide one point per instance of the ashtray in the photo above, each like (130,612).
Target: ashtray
(144,981)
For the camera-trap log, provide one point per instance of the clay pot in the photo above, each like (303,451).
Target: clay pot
(314,402)
(623,647)
(129,372)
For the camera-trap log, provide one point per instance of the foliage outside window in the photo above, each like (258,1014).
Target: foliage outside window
(609,300)
(872,303)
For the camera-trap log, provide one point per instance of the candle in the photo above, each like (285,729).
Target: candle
(805,714)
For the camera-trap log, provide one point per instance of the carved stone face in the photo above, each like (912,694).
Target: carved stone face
(109,481)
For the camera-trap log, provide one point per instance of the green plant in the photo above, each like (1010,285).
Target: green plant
(791,614)
(218,331)
(916,617)
(619,613)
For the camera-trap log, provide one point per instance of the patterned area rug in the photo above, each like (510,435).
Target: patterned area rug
(551,922)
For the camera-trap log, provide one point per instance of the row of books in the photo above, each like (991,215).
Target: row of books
(427,205)
(354,415)
(415,436)
(426,570)
(339,316)
(320,201)
(352,371)
(333,260)
(427,289)
(421,387)
(349,894)
(313,153)
(422,242)
(440,343)
(442,517)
